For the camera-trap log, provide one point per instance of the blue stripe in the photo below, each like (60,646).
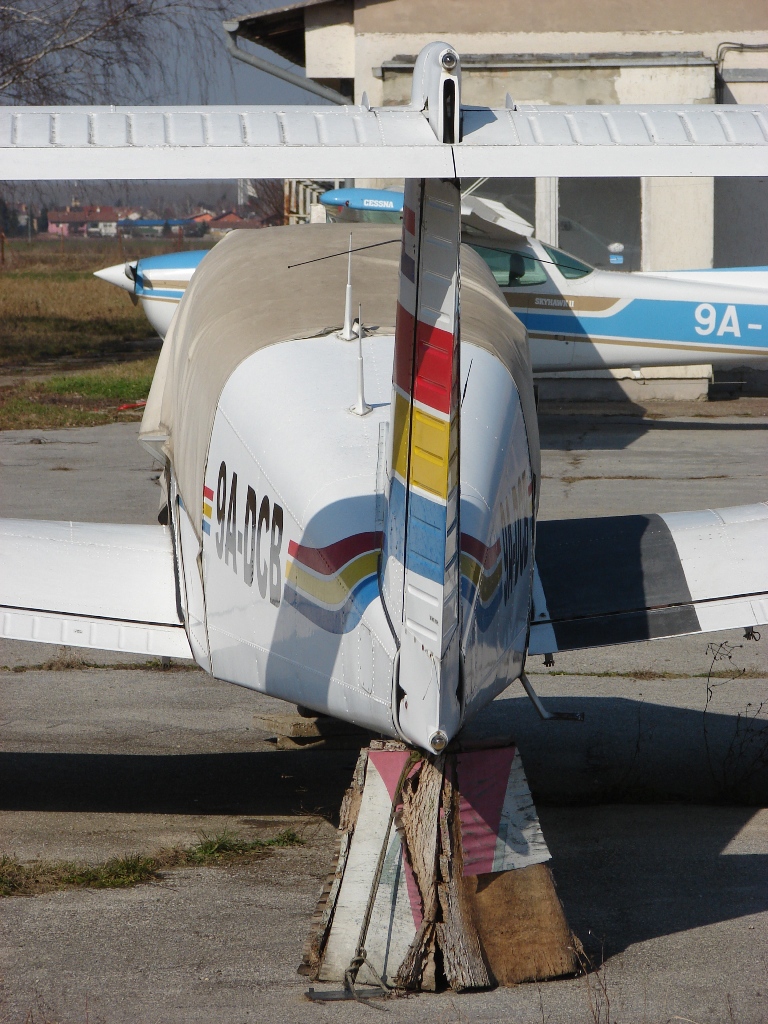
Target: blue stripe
(158,293)
(484,614)
(394,535)
(654,319)
(174,260)
(425,545)
(206,527)
(339,620)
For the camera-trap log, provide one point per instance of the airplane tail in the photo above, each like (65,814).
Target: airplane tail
(420,584)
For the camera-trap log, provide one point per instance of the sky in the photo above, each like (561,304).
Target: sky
(227,81)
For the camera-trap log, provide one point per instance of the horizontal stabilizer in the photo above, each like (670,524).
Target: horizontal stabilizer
(621,579)
(95,585)
(49,143)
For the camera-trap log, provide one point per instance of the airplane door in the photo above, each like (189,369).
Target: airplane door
(537,300)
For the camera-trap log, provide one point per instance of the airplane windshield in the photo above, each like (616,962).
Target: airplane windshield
(568,265)
(512,269)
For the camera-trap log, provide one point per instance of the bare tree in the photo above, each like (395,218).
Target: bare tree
(86,51)
(267,200)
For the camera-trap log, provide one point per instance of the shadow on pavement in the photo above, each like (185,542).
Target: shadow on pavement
(571,432)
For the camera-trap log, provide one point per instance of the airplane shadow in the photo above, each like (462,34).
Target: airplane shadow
(567,432)
(637,804)
(259,783)
(603,433)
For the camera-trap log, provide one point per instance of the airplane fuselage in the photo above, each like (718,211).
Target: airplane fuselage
(589,320)
(292,532)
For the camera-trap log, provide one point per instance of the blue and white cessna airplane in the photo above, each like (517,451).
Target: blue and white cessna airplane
(578,318)
(352,514)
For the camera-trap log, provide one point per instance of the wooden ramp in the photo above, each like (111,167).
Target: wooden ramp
(464,898)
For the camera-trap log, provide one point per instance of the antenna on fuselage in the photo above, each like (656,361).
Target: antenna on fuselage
(347,331)
(361,407)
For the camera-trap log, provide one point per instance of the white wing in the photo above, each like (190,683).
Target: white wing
(39,143)
(620,579)
(91,585)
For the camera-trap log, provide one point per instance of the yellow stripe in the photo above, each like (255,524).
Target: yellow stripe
(430,453)
(400,436)
(333,590)
(207,509)
(474,572)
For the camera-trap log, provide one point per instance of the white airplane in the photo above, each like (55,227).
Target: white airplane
(578,318)
(352,523)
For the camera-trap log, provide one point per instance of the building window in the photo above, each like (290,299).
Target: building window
(600,221)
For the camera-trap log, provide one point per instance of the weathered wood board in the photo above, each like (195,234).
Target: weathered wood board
(393,921)
(466,899)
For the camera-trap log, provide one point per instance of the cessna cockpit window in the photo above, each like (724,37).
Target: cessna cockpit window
(568,265)
(512,269)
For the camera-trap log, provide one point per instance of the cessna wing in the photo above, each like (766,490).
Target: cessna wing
(95,585)
(620,579)
(418,141)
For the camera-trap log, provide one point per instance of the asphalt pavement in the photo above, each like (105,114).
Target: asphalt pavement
(652,808)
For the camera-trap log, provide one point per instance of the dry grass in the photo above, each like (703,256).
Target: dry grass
(64,314)
(17,879)
(53,309)
(80,399)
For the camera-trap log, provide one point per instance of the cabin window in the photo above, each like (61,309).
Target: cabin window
(568,266)
(512,269)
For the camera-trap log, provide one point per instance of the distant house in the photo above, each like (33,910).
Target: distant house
(93,221)
(219,226)
(152,226)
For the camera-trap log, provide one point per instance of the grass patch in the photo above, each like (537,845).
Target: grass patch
(116,873)
(67,663)
(83,399)
(17,879)
(124,382)
(228,846)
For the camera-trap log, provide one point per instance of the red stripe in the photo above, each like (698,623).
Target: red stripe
(330,559)
(404,331)
(409,221)
(487,557)
(434,367)
(208,493)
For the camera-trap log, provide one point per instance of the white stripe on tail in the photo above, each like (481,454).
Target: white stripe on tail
(421,563)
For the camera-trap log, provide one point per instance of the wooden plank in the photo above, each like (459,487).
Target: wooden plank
(320,925)
(457,937)
(392,926)
(419,823)
(521,925)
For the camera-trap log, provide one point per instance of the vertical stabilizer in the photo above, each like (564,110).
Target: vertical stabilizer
(421,563)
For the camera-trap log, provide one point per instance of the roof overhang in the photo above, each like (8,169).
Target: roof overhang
(278,28)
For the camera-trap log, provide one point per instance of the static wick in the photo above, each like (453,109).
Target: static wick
(361,407)
(347,331)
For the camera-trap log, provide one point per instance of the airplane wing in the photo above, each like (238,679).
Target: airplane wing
(620,579)
(95,585)
(50,143)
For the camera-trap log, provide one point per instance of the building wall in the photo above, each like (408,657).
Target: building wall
(415,16)
(569,85)
(680,223)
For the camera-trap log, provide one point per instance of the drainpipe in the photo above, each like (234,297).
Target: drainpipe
(231,29)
